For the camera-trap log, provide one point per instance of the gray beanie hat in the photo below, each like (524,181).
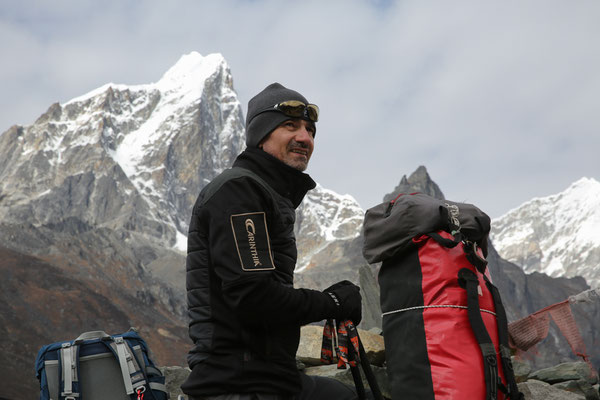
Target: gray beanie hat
(260,123)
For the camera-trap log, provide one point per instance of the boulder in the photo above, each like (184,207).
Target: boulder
(538,390)
(174,377)
(581,387)
(521,368)
(566,372)
(309,349)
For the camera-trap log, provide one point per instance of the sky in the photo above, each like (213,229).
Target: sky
(500,101)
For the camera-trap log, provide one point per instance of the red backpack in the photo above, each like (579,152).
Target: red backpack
(444,326)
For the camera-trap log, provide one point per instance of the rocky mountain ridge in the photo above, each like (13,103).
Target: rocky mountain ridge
(558,235)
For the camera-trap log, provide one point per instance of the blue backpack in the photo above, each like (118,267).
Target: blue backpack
(99,366)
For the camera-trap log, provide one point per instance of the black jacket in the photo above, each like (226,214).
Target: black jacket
(245,315)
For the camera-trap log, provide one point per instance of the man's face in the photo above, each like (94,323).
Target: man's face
(291,142)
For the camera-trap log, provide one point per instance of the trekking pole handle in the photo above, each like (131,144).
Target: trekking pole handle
(93,335)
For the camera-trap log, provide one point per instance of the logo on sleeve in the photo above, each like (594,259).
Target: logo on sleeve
(252,241)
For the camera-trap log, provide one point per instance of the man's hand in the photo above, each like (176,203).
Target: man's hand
(346,296)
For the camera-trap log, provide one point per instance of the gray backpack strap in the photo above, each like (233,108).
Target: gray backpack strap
(158,386)
(133,375)
(68,359)
(92,335)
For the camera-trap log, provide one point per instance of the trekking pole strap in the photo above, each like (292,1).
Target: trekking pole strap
(468,280)
(350,351)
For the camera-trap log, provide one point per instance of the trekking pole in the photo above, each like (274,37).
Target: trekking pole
(358,383)
(366,365)
(364,361)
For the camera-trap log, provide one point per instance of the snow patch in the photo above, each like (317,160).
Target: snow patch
(181,242)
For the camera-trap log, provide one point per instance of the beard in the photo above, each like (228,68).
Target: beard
(297,160)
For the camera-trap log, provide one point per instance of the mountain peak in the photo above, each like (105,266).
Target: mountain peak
(187,76)
(191,70)
(588,185)
(153,144)
(558,234)
(418,181)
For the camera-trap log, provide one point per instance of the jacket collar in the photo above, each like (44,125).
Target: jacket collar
(285,180)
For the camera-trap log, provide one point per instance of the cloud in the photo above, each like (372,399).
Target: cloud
(491,97)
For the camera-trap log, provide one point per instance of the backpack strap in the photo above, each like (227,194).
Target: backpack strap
(133,374)
(469,281)
(507,367)
(442,241)
(474,258)
(69,356)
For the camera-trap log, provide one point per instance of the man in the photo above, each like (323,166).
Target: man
(245,314)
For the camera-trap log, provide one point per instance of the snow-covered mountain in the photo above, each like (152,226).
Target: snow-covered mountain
(132,159)
(324,218)
(154,147)
(137,154)
(558,235)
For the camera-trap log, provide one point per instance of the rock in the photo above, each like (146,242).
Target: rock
(376,331)
(581,387)
(309,349)
(566,372)
(522,369)
(374,347)
(345,376)
(538,390)
(174,377)
(311,339)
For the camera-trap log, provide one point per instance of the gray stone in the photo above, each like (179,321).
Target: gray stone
(521,368)
(538,390)
(309,349)
(377,331)
(174,377)
(566,372)
(580,386)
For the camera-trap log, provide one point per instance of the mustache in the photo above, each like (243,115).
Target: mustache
(293,144)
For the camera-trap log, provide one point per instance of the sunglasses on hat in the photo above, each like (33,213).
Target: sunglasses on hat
(297,109)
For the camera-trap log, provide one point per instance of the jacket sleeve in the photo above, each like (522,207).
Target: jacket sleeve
(239,218)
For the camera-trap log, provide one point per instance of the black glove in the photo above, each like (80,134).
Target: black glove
(347,298)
